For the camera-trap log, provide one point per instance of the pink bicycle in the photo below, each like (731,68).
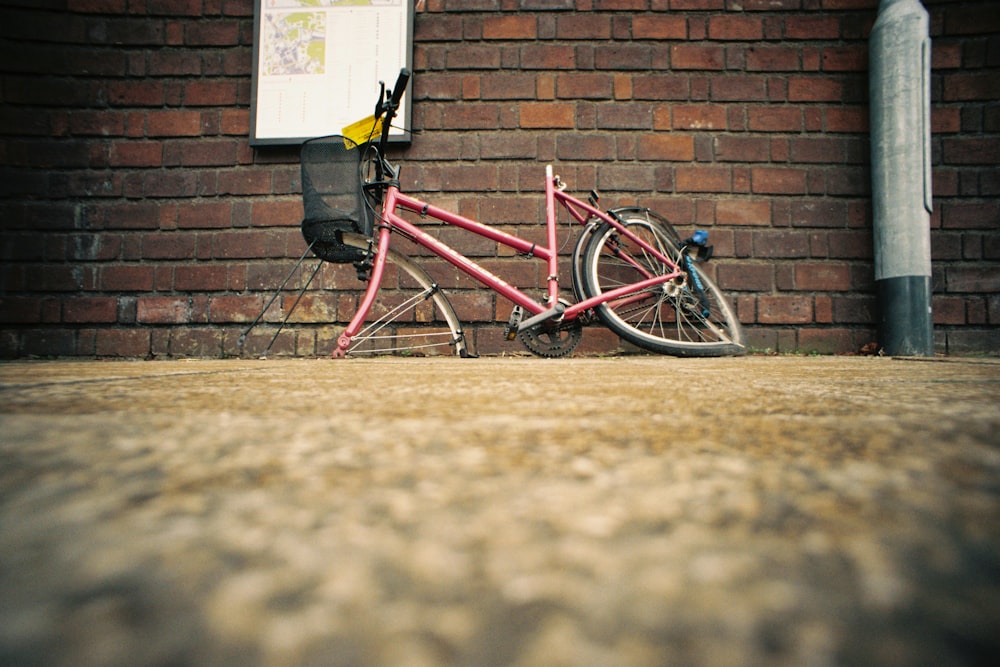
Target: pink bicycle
(630,269)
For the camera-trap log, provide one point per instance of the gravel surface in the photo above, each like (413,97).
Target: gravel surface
(504,511)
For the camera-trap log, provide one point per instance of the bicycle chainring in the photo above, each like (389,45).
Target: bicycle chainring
(552,341)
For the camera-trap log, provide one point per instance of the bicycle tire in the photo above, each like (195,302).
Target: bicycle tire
(420,332)
(671,318)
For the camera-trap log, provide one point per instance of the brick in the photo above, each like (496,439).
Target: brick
(136,154)
(699,117)
(508,87)
(135,93)
(774,119)
(774,244)
(226,309)
(128,343)
(971,150)
(548,57)
(976,279)
(163,310)
(784,310)
(703,179)
(966,87)
(845,59)
(20,310)
(585,86)
(659,26)
(812,27)
(174,63)
(622,57)
(743,88)
(732,148)
(635,116)
(820,150)
(660,87)
(212,33)
(239,244)
(511,27)
(742,27)
(854,310)
(200,278)
(819,213)
(697,57)
(743,212)
(97,123)
(96,6)
(697,5)
(813,89)
(822,277)
(175,123)
(826,341)
(437,28)
(778,180)
(583,26)
(471,117)
(210,93)
(126,278)
(581,146)
(773,59)
(948,310)
(970,215)
(90,310)
(669,147)
(170,183)
(138,215)
(504,210)
(542,115)
(244,182)
(264,214)
(621,5)
(971,20)
(468,178)
(625,178)
(745,277)
(846,120)
(850,245)
(195,342)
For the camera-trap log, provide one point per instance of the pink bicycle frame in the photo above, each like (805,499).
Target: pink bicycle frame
(580,211)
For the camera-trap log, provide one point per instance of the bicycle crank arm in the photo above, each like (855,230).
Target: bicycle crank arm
(544,316)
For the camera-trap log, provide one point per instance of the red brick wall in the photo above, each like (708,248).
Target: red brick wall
(136,220)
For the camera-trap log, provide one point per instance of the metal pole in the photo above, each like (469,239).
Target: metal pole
(899,87)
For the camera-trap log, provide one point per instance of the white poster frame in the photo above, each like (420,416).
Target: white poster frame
(298,93)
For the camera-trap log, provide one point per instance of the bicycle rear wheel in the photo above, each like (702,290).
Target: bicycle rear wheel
(685,317)
(414,318)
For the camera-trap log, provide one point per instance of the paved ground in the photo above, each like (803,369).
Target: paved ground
(608,512)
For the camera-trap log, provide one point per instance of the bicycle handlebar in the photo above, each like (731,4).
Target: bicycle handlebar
(389,107)
(399,88)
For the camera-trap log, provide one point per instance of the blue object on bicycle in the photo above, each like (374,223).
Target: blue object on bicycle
(700,237)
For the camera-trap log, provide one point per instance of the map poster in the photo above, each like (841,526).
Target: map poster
(318,64)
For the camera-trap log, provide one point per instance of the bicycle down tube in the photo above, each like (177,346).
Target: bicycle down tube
(580,211)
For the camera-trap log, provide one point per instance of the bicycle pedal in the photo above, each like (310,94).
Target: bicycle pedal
(510,332)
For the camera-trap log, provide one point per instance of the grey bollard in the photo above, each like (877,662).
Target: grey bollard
(899,87)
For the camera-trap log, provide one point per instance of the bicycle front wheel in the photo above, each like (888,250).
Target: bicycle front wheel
(684,317)
(413,317)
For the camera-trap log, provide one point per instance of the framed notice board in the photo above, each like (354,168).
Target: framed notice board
(317,65)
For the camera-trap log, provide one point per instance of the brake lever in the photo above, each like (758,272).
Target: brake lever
(380,105)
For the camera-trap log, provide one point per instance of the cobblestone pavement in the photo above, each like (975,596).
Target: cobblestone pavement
(503,511)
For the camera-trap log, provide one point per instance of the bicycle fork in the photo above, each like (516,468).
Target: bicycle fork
(374,284)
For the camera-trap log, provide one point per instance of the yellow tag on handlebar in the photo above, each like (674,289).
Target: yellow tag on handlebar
(363,130)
